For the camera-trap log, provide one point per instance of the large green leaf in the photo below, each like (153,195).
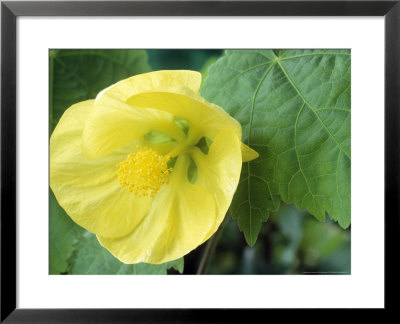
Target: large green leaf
(64,233)
(294,107)
(77,75)
(91,258)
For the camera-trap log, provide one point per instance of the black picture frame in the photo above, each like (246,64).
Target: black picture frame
(10,10)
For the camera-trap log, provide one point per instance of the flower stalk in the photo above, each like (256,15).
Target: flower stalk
(210,247)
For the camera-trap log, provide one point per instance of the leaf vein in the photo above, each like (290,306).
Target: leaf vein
(76,77)
(311,54)
(297,153)
(312,109)
(239,75)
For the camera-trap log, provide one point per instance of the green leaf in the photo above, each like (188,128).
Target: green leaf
(294,107)
(77,75)
(63,234)
(91,258)
(207,64)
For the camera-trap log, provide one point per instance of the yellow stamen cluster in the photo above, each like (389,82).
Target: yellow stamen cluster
(144,172)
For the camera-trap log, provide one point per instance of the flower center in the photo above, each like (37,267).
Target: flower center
(144,172)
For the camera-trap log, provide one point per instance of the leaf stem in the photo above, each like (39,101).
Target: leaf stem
(210,247)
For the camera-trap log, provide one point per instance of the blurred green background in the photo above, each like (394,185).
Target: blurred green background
(291,241)
(181,59)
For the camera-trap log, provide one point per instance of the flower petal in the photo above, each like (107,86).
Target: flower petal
(179,218)
(193,108)
(114,123)
(88,189)
(248,154)
(219,171)
(205,119)
(152,81)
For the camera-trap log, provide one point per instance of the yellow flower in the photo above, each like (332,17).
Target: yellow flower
(149,166)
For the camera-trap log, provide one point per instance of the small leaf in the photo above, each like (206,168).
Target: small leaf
(63,234)
(77,75)
(91,258)
(294,108)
